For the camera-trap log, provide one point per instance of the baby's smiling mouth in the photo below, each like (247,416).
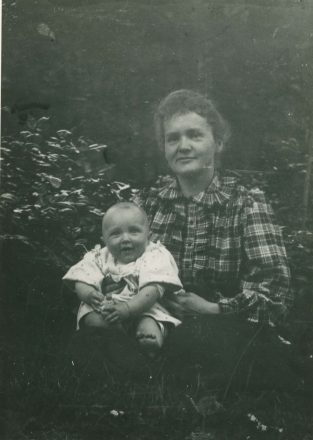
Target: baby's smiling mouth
(126,248)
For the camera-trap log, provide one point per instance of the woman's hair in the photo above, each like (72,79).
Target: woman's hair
(187,101)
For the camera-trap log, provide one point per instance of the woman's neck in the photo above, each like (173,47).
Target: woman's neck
(192,184)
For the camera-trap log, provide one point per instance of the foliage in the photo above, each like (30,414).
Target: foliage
(50,200)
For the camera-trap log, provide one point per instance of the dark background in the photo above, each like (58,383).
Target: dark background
(100,67)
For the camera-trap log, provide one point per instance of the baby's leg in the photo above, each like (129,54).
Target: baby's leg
(150,335)
(93,319)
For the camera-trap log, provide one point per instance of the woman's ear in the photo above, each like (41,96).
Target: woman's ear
(219,147)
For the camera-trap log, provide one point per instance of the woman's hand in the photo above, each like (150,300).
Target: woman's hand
(177,303)
(174,303)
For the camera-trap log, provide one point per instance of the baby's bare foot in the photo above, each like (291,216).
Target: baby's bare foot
(150,336)
(149,343)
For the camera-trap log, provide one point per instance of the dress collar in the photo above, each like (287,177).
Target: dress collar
(218,192)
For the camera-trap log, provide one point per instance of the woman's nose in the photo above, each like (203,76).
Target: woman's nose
(184,143)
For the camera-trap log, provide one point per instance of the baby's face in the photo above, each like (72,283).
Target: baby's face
(125,233)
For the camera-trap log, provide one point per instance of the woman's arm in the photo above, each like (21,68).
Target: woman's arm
(265,280)
(140,303)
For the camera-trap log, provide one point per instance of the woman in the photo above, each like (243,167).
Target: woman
(230,254)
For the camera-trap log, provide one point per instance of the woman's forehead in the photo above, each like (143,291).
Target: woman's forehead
(185,120)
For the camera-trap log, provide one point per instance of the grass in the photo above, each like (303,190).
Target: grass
(46,397)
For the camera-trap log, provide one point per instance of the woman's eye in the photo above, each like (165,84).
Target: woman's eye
(195,135)
(172,138)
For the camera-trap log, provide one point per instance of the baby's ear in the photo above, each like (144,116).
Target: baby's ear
(102,239)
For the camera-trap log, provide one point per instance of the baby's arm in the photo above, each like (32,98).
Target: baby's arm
(181,303)
(140,303)
(89,295)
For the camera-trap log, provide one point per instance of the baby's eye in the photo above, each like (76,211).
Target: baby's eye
(134,230)
(114,234)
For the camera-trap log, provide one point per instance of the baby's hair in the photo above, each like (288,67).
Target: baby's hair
(125,206)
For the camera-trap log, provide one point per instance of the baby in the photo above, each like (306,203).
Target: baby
(121,284)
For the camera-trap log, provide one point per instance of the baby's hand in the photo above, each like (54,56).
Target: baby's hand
(95,299)
(115,313)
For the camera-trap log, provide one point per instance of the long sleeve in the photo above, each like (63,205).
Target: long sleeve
(265,279)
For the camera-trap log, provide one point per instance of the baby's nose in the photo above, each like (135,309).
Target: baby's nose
(125,236)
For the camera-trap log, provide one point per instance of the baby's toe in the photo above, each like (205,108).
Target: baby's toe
(150,336)
(145,336)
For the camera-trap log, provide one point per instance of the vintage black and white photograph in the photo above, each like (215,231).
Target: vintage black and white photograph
(156,220)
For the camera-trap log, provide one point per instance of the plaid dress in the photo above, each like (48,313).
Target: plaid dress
(226,246)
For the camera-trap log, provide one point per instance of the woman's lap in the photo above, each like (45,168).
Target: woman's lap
(228,352)
(234,352)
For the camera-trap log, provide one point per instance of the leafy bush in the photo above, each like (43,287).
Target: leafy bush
(55,189)
(50,201)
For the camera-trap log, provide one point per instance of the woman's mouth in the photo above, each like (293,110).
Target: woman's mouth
(184,159)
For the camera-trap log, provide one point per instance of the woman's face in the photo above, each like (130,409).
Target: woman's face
(189,144)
